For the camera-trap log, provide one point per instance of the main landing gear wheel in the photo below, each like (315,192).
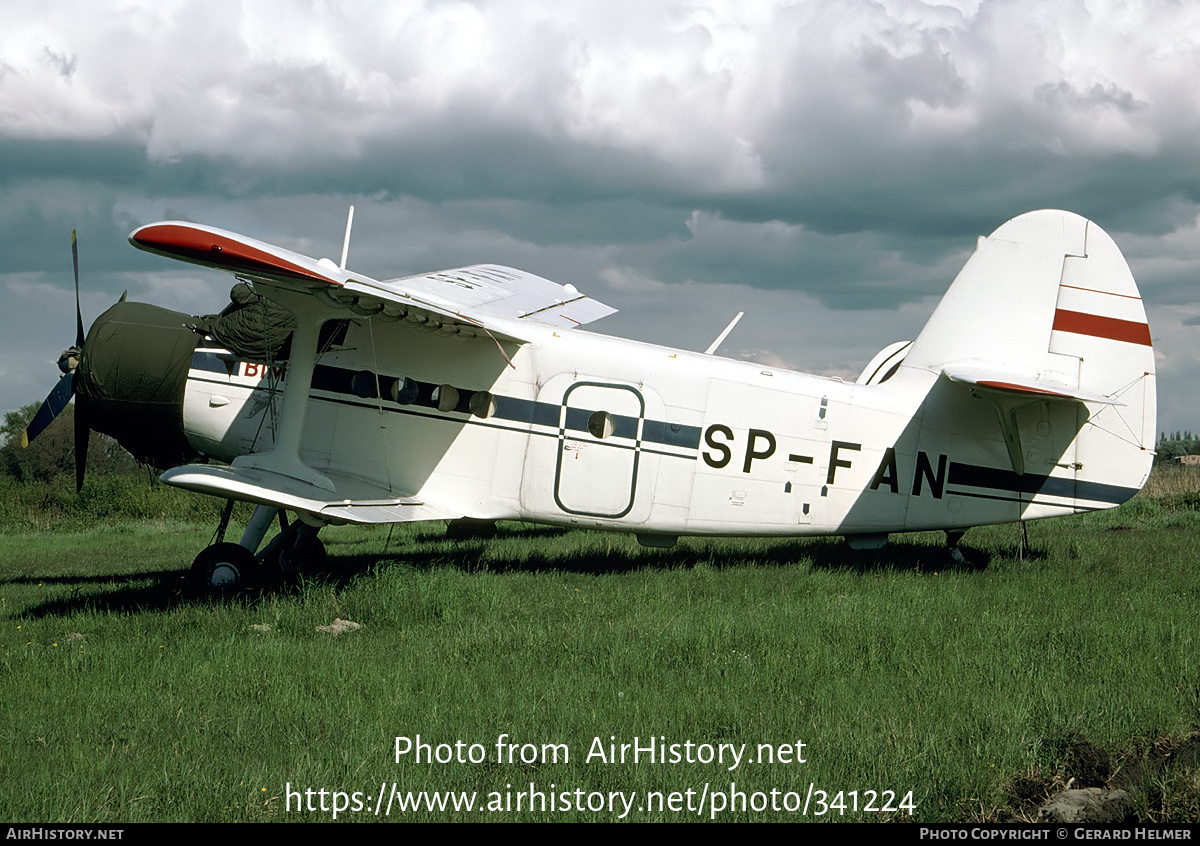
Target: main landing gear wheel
(223,568)
(301,550)
(469,528)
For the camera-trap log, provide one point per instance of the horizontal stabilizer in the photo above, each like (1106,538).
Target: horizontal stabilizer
(1014,383)
(355,501)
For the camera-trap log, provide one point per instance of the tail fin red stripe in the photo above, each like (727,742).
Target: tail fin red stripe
(1080,323)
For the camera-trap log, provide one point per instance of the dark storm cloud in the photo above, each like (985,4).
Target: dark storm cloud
(807,157)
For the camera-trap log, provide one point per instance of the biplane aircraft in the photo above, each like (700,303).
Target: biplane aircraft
(473,395)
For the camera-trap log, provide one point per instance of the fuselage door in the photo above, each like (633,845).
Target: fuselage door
(599,448)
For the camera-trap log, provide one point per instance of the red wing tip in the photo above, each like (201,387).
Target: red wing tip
(174,236)
(223,250)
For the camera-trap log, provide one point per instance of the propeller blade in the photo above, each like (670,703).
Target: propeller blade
(51,408)
(78,312)
(82,433)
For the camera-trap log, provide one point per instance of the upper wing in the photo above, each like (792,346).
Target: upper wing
(494,298)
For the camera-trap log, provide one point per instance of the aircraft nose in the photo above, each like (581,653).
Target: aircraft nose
(131,379)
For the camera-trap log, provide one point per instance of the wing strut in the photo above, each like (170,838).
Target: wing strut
(284,456)
(1006,408)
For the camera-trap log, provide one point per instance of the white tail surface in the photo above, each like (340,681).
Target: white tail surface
(1046,313)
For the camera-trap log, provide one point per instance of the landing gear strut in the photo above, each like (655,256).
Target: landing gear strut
(467,528)
(953,538)
(295,549)
(226,568)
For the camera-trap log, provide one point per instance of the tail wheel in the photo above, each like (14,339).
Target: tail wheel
(223,568)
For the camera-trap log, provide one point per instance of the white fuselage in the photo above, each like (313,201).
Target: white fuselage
(587,430)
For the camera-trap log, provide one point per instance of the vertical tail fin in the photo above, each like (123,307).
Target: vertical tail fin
(1046,310)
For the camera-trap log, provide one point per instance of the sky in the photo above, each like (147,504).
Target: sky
(825,167)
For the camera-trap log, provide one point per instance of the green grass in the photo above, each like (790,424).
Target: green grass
(129,698)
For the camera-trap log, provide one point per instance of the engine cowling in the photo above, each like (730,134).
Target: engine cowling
(131,379)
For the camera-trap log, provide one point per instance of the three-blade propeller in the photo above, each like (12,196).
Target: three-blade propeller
(62,392)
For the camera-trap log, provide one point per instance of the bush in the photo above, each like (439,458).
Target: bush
(55,506)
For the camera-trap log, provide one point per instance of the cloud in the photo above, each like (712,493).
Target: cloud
(838,158)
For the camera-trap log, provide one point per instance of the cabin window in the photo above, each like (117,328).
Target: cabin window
(363,384)
(482,404)
(601,424)
(446,397)
(404,391)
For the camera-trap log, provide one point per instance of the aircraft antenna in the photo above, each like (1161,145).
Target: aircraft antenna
(713,346)
(346,240)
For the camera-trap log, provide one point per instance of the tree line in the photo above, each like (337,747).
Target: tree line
(1172,445)
(52,453)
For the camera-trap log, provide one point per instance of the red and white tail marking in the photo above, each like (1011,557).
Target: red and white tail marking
(1100,305)
(1099,326)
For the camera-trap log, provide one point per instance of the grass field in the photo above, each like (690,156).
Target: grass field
(966,690)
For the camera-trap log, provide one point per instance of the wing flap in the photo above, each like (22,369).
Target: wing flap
(504,292)
(355,501)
